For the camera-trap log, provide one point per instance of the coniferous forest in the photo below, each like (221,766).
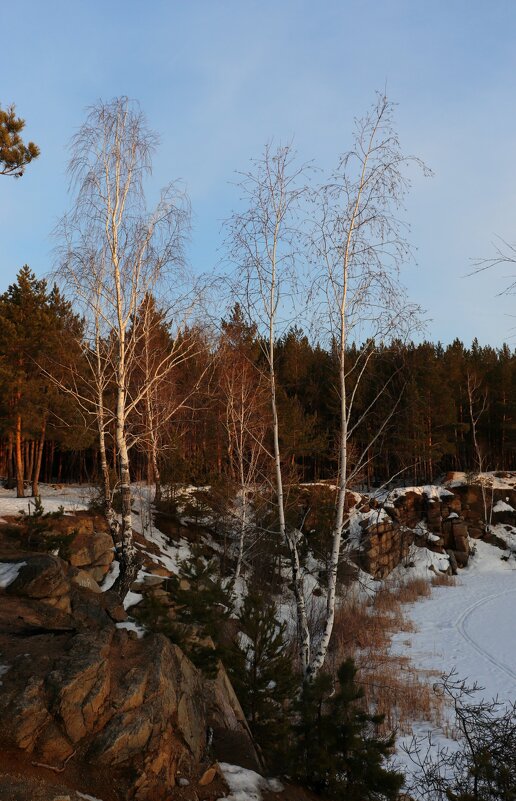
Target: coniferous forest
(441,393)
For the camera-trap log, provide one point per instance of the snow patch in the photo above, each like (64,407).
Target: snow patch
(246,785)
(132,625)
(132,598)
(72,497)
(420,563)
(87,797)
(9,572)
(489,479)
(111,576)
(502,506)
(468,627)
(433,492)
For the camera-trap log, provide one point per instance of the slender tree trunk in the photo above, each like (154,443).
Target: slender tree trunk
(320,656)
(10,471)
(153,446)
(109,512)
(322,650)
(51,461)
(20,488)
(39,456)
(128,558)
(129,564)
(29,458)
(155,470)
(243,518)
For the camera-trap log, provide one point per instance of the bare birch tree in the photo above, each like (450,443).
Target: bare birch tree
(477,405)
(116,252)
(245,400)
(159,342)
(263,243)
(359,245)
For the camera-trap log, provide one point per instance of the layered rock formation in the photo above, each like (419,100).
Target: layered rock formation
(439,518)
(113,715)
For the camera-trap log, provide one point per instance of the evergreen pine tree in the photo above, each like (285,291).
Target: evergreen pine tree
(339,753)
(263,678)
(14,154)
(204,602)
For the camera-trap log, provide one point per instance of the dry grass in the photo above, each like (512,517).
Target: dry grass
(444,580)
(391,683)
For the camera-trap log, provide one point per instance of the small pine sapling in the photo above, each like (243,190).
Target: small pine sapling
(261,671)
(204,602)
(338,751)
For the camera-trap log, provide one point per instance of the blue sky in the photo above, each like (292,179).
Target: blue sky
(218,78)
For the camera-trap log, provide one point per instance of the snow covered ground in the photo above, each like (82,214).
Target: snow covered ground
(72,497)
(471,626)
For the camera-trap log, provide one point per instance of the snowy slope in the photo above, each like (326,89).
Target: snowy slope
(470,627)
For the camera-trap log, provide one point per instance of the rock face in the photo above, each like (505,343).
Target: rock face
(85,698)
(42,577)
(135,707)
(91,551)
(385,543)
(442,519)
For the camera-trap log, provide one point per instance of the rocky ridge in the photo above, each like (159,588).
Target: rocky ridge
(85,703)
(441,518)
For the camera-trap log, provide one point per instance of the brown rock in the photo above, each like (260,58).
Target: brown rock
(164,726)
(89,548)
(28,715)
(208,776)
(53,746)
(461,543)
(83,579)
(98,573)
(459,529)
(88,609)
(41,576)
(228,723)
(81,684)
(23,615)
(461,558)
(125,736)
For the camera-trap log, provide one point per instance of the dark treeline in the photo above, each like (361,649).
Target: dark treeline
(453,405)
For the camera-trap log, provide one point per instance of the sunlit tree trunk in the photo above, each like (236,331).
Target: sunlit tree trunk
(20,486)
(39,457)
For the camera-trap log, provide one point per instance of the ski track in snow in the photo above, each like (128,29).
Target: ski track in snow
(462,628)
(470,627)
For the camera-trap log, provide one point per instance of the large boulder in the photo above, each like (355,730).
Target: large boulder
(92,551)
(102,702)
(40,576)
(232,739)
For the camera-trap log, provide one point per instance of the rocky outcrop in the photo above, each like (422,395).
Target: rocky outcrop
(44,578)
(85,698)
(92,551)
(135,707)
(441,518)
(384,543)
